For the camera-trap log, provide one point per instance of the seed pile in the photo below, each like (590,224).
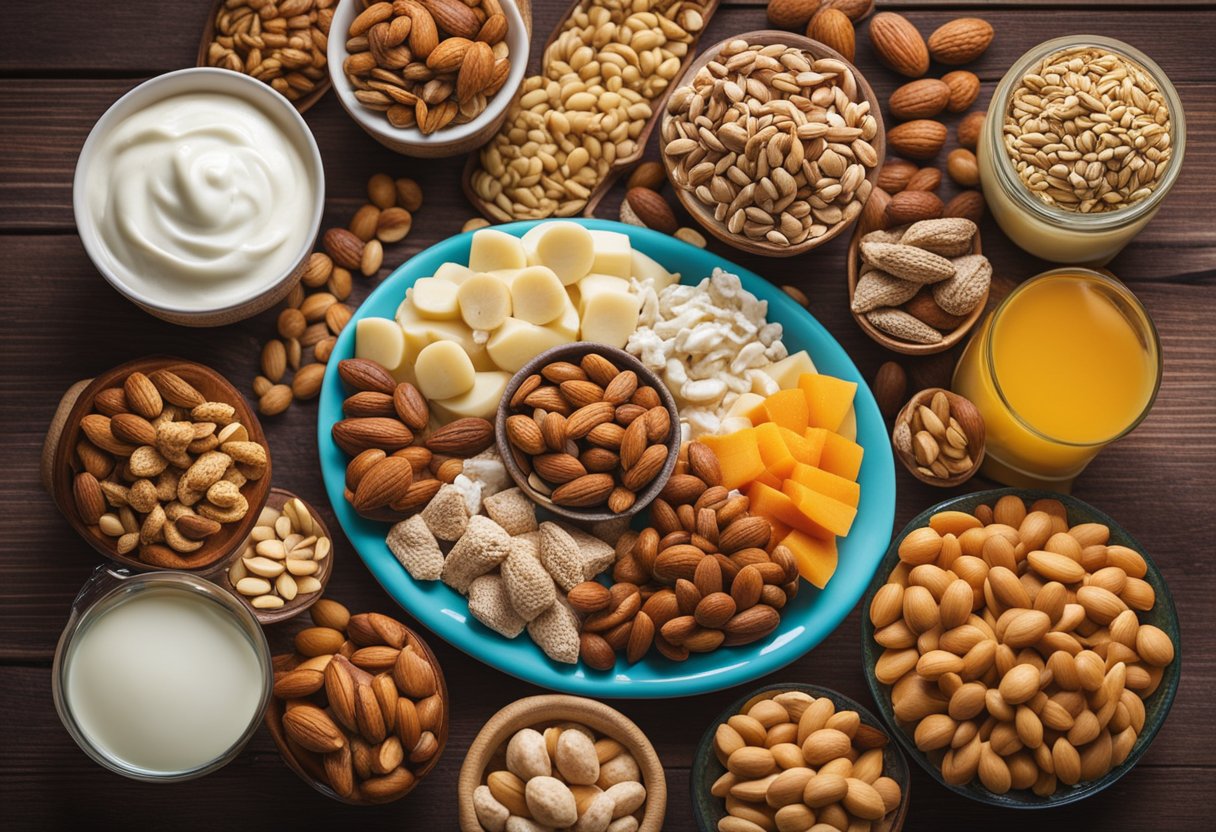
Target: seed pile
(281,44)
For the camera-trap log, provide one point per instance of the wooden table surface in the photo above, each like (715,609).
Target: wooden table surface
(60,67)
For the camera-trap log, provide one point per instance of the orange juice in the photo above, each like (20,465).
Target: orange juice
(1067,364)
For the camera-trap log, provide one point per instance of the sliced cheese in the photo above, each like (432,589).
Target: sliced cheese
(434,298)
(563,246)
(517,342)
(493,249)
(613,254)
(480,401)
(381,340)
(444,370)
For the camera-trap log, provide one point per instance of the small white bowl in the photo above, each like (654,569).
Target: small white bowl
(250,300)
(452,140)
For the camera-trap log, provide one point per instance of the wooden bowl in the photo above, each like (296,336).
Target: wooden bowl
(704,215)
(302,103)
(621,164)
(707,768)
(894,344)
(277,499)
(974,425)
(59,465)
(310,770)
(574,353)
(542,711)
(452,140)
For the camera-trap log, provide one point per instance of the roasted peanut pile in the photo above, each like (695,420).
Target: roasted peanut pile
(282,557)
(1013,646)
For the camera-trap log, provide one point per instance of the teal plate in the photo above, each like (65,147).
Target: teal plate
(805,622)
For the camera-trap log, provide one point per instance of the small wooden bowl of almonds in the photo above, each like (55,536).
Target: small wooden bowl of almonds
(607,768)
(286,562)
(918,289)
(158,463)
(798,755)
(607,438)
(763,204)
(939,437)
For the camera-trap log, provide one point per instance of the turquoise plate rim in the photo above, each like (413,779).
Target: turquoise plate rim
(810,617)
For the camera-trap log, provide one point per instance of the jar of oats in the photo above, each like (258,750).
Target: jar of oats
(1084,138)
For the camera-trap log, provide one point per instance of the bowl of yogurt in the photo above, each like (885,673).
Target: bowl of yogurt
(198,195)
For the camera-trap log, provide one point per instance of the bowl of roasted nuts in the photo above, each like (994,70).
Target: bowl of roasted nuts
(428,78)
(772,141)
(1022,646)
(794,756)
(588,432)
(159,464)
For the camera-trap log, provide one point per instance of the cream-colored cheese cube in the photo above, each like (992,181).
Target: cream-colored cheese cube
(480,401)
(609,318)
(647,268)
(517,342)
(435,298)
(613,254)
(848,427)
(594,284)
(786,371)
(485,301)
(567,324)
(493,249)
(380,340)
(453,272)
(565,247)
(745,403)
(537,295)
(419,332)
(444,370)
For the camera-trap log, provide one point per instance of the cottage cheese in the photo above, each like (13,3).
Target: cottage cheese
(709,343)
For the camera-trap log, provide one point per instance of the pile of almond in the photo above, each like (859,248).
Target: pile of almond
(939,435)
(566,778)
(1013,648)
(589,434)
(831,22)
(905,193)
(699,577)
(921,281)
(427,63)
(397,463)
(316,311)
(282,44)
(363,709)
(796,762)
(160,469)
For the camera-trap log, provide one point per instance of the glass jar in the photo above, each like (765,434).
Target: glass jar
(100,717)
(1046,230)
(1069,362)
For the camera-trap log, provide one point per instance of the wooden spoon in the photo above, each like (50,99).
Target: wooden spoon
(301,104)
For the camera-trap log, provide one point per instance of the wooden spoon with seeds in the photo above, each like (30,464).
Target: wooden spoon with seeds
(320,87)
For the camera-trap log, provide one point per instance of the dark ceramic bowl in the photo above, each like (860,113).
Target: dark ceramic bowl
(1156,706)
(706,768)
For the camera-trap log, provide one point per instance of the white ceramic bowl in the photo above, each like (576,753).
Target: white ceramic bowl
(452,140)
(250,299)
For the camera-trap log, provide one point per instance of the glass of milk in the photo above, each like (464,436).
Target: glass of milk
(161,676)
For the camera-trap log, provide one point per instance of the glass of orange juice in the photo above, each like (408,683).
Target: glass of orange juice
(1067,364)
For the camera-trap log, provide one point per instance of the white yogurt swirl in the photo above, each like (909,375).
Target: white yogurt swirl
(201,199)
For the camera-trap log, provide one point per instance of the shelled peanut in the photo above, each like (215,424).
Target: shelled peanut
(397,464)
(562,776)
(430,63)
(363,709)
(316,311)
(1014,650)
(282,557)
(589,434)
(282,44)
(795,762)
(698,577)
(160,469)
(940,434)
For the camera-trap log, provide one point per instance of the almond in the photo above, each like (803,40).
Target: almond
(197,527)
(899,45)
(703,463)
(745,533)
(363,374)
(652,209)
(595,651)
(833,28)
(475,70)
(751,624)
(894,176)
(682,488)
(588,490)
(855,9)
(368,403)
(90,502)
(746,587)
(127,427)
(463,437)
(111,401)
(923,98)
(311,728)
(525,434)
(306,383)
(917,139)
(494,29)
(589,597)
(414,675)
(384,483)
(964,89)
(344,247)
(599,369)
(912,206)
(411,407)
(97,428)
(142,396)
(641,636)
(925,179)
(646,468)
(791,14)
(650,174)
(176,390)
(960,41)
(587,417)
(714,610)
(558,468)
(966,204)
(448,54)
(925,308)
(357,435)
(453,17)
(580,392)
(417,495)
(969,129)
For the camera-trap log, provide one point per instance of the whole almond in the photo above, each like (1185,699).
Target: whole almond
(967,204)
(317,270)
(899,45)
(558,468)
(833,28)
(917,139)
(895,174)
(357,435)
(923,98)
(580,392)
(525,434)
(855,9)
(111,401)
(344,247)
(641,636)
(368,403)
(384,483)
(704,463)
(646,469)
(142,396)
(275,400)
(963,167)
(394,224)
(306,383)
(127,427)
(463,437)
(312,728)
(176,390)
(363,223)
(362,374)
(964,89)
(652,209)
(650,174)
(912,206)
(411,406)
(925,179)
(586,491)
(90,502)
(589,597)
(960,41)
(969,129)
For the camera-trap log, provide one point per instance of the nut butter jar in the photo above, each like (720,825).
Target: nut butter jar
(1091,142)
